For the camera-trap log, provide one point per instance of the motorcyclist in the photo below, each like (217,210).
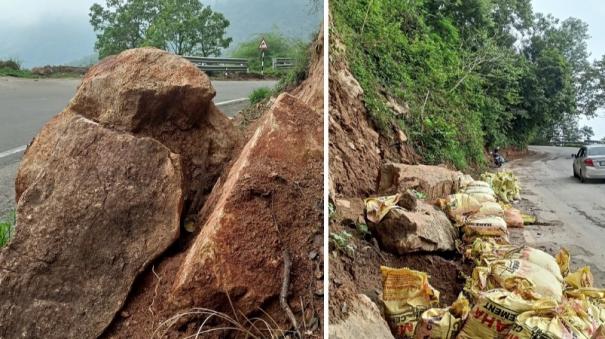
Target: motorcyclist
(498,159)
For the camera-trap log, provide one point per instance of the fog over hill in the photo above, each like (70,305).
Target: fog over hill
(40,32)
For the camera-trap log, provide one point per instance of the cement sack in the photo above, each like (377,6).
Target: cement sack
(406,295)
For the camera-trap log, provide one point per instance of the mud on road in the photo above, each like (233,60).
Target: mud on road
(570,214)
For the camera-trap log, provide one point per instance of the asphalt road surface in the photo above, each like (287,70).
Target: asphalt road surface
(25,105)
(573,213)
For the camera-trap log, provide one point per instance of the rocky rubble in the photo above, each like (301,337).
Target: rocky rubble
(148,93)
(427,229)
(106,185)
(434,181)
(265,208)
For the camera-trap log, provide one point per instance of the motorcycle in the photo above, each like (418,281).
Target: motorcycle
(498,159)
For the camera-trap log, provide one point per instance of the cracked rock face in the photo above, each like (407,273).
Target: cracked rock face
(262,208)
(106,204)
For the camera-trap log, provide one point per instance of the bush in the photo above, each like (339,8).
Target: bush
(10,64)
(7,225)
(259,95)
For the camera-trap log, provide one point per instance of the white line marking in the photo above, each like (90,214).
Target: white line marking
(232,101)
(12,151)
(23,147)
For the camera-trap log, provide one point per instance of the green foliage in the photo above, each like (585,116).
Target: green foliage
(12,68)
(331,210)
(475,74)
(587,132)
(340,241)
(259,94)
(180,26)
(10,64)
(19,73)
(419,195)
(7,226)
(363,230)
(300,71)
(280,46)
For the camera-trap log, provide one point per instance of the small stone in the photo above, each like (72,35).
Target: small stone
(124,314)
(312,255)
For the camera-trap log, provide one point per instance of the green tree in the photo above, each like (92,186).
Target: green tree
(587,132)
(279,46)
(474,73)
(187,27)
(180,26)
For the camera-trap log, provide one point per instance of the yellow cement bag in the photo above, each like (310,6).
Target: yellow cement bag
(599,333)
(568,320)
(377,208)
(466,180)
(581,278)
(460,205)
(478,183)
(593,300)
(483,197)
(511,273)
(563,258)
(485,227)
(494,314)
(443,323)
(485,250)
(490,209)
(513,218)
(406,295)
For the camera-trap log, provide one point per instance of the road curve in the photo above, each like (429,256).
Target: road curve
(575,211)
(26,104)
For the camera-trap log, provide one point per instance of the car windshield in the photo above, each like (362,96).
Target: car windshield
(596,151)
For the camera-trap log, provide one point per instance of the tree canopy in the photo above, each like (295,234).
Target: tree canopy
(179,26)
(475,73)
(280,46)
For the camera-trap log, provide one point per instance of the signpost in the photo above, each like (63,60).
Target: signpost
(263,47)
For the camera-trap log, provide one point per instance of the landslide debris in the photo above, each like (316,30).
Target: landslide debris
(141,151)
(148,93)
(268,202)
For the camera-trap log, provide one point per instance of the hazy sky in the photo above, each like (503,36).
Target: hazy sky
(41,32)
(593,13)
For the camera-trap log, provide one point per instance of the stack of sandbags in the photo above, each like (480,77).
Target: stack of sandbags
(516,293)
(477,213)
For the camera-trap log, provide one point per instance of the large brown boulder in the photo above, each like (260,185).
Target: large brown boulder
(434,181)
(427,229)
(269,202)
(102,208)
(149,92)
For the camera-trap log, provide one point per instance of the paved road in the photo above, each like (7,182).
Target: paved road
(575,211)
(25,105)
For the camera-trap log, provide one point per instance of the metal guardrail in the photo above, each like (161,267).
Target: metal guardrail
(283,63)
(219,64)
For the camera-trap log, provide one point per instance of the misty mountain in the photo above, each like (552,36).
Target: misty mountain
(58,32)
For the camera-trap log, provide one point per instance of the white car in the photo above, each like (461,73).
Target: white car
(589,163)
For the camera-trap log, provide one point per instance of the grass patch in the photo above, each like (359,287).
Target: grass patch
(18,73)
(7,227)
(259,95)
